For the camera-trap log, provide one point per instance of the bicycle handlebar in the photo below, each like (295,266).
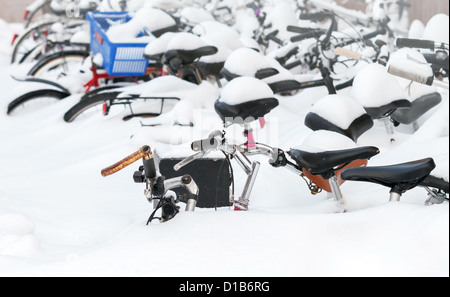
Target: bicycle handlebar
(416,77)
(348,53)
(204,144)
(315,17)
(299,30)
(307,35)
(415,43)
(273,36)
(143,153)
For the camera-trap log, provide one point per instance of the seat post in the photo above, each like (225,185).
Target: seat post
(389,128)
(394,197)
(335,189)
(248,133)
(251,169)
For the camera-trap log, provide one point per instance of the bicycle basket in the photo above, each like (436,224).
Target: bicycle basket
(119,59)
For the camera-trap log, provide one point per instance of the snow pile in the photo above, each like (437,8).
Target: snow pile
(159,45)
(339,110)
(437,29)
(244,89)
(60,217)
(185,41)
(247,62)
(195,15)
(375,87)
(16,236)
(145,19)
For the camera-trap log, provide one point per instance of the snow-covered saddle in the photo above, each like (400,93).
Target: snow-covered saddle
(245,99)
(339,114)
(379,92)
(248,62)
(184,48)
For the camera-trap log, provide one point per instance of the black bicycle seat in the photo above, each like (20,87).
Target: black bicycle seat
(285,86)
(324,163)
(358,127)
(210,68)
(388,109)
(400,178)
(160,31)
(260,74)
(247,111)
(189,56)
(418,108)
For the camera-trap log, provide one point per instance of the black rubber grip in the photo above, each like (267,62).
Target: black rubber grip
(273,36)
(415,43)
(299,30)
(150,168)
(315,17)
(311,34)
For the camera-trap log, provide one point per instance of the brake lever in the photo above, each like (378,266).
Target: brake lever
(189,159)
(203,147)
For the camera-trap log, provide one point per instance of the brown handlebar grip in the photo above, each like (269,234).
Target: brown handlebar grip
(348,53)
(143,153)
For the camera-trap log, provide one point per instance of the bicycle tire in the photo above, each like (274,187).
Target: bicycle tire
(25,35)
(58,95)
(88,103)
(99,90)
(37,51)
(57,59)
(32,14)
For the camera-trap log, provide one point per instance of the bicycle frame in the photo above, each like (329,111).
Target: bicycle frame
(278,159)
(240,153)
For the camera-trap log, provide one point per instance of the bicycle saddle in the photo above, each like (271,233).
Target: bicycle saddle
(277,87)
(379,92)
(210,68)
(185,57)
(400,178)
(348,117)
(246,98)
(248,110)
(419,107)
(259,66)
(324,163)
(388,109)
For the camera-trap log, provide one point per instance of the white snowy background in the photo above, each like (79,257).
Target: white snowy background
(60,217)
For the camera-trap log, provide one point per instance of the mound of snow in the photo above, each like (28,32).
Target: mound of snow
(374,87)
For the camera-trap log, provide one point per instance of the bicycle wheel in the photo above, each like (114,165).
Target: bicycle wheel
(87,104)
(58,62)
(102,89)
(38,11)
(37,34)
(33,35)
(38,97)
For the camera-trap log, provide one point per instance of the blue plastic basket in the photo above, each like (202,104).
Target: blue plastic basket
(119,59)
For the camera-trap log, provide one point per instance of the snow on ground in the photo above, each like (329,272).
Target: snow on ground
(59,217)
